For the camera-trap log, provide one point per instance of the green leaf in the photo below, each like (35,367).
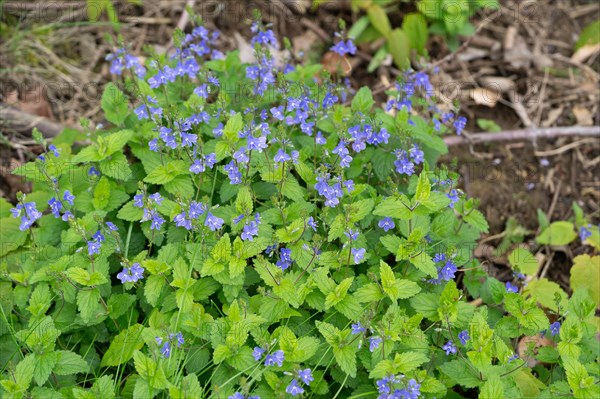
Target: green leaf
(397,208)
(423,187)
(585,274)
(363,101)
(408,361)
(114,104)
(399,47)
(379,19)
(368,293)
(415,26)
(25,370)
(232,128)
(524,261)
(460,372)
(119,304)
(70,363)
(123,345)
(338,293)
(492,388)
(44,363)
(148,369)
(345,357)
(88,304)
(546,292)
(153,287)
(476,219)
(448,309)
(590,35)
(558,233)
(101,193)
(166,173)
(424,263)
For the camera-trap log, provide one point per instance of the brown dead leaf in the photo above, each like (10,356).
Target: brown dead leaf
(553,116)
(516,51)
(585,52)
(335,63)
(485,96)
(528,347)
(33,101)
(583,116)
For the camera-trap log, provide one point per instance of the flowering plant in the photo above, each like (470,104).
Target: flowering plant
(263,231)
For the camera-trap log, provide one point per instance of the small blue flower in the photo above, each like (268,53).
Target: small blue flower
(343,48)
(213,222)
(285,258)
(67,196)
(93,247)
(449,348)
(166,349)
(513,357)
(294,389)
(306,376)
(250,231)
(138,200)
(312,223)
(276,357)
(257,353)
(351,234)
(555,328)
(55,207)
(584,233)
(111,226)
(459,124)
(282,156)
(357,328)
(386,224)
(374,343)
(511,288)
(463,337)
(54,150)
(358,254)
(453,196)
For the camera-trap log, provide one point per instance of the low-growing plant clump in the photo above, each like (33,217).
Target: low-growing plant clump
(263,231)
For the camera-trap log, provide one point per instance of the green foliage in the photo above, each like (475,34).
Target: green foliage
(204,268)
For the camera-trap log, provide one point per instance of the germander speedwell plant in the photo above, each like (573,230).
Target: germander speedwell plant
(263,231)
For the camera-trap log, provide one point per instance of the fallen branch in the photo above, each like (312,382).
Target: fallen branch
(525,134)
(24,123)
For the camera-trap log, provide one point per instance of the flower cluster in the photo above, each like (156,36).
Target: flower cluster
(387,388)
(150,212)
(131,274)
(27,212)
(271,359)
(121,60)
(446,272)
(95,244)
(166,343)
(344,47)
(406,160)
(295,387)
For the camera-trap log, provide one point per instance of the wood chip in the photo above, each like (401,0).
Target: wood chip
(585,52)
(553,116)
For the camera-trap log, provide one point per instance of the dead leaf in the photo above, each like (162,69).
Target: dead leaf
(335,63)
(528,347)
(553,116)
(516,51)
(485,96)
(585,52)
(583,116)
(32,101)
(497,83)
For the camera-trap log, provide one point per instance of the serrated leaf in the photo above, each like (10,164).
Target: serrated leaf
(114,104)
(558,233)
(363,101)
(524,261)
(585,274)
(123,345)
(70,363)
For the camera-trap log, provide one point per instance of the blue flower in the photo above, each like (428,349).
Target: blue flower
(416,154)
(294,389)
(93,247)
(166,349)
(374,343)
(132,274)
(343,48)
(54,150)
(463,337)
(157,220)
(511,288)
(181,221)
(250,231)
(285,258)
(67,196)
(449,348)
(584,233)
(257,353)
(98,236)
(213,222)
(276,357)
(351,234)
(111,226)
(282,156)
(459,124)
(306,376)
(555,328)
(241,155)
(312,223)
(357,328)
(55,207)
(358,254)
(513,357)
(156,198)
(453,196)
(138,200)
(386,224)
